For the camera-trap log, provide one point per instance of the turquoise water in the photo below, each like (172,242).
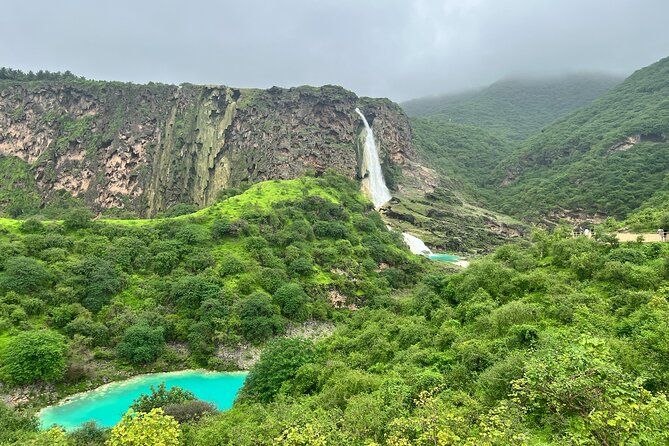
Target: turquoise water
(108,403)
(444,258)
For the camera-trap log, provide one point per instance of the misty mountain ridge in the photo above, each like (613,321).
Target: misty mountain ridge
(515,107)
(606,157)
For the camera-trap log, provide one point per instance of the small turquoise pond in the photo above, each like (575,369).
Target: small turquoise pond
(108,403)
(444,258)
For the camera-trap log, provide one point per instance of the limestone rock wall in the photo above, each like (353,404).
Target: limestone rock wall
(147,147)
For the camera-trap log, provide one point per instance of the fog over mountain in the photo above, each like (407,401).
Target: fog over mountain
(394,48)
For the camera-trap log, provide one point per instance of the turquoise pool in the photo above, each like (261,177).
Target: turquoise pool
(108,403)
(444,258)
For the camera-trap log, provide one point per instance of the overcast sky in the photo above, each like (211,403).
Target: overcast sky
(395,48)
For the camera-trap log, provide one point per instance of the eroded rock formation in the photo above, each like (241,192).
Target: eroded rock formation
(147,147)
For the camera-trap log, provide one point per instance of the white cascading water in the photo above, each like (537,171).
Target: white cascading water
(373,184)
(416,245)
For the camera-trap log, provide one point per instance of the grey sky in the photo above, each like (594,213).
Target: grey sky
(394,48)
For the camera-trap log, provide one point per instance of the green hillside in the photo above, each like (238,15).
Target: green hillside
(463,153)
(558,341)
(240,271)
(465,137)
(585,160)
(514,108)
(551,344)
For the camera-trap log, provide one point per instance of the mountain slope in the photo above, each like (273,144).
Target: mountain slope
(607,157)
(463,153)
(515,108)
(465,136)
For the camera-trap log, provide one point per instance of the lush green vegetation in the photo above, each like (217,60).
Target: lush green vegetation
(463,153)
(41,75)
(556,342)
(83,300)
(515,108)
(467,137)
(653,213)
(559,341)
(577,162)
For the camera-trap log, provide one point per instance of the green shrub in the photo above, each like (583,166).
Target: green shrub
(34,355)
(279,362)
(271,279)
(24,275)
(191,291)
(32,226)
(141,344)
(259,319)
(77,219)
(95,281)
(160,397)
(189,411)
(292,300)
(303,267)
(231,265)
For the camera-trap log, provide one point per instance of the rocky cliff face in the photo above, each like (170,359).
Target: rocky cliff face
(147,147)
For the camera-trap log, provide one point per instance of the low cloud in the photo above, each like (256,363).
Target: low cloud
(393,48)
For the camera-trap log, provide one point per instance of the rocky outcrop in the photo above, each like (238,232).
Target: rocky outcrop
(147,147)
(243,356)
(633,140)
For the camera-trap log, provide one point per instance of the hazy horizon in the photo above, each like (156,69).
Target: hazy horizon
(397,49)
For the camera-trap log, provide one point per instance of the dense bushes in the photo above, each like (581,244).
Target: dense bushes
(522,348)
(240,271)
(141,344)
(169,293)
(280,361)
(33,355)
(259,318)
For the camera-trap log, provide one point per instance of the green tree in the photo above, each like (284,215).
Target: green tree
(259,318)
(141,344)
(292,300)
(95,281)
(145,429)
(301,267)
(220,228)
(191,291)
(77,219)
(24,275)
(32,226)
(278,363)
(231,265)
(33,356)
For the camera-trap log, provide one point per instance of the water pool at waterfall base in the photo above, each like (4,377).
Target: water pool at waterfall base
(444,258)
(449,258)
(107,404)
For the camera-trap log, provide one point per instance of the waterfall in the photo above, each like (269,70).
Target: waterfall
(375,187)
(373,183)
(416,245)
